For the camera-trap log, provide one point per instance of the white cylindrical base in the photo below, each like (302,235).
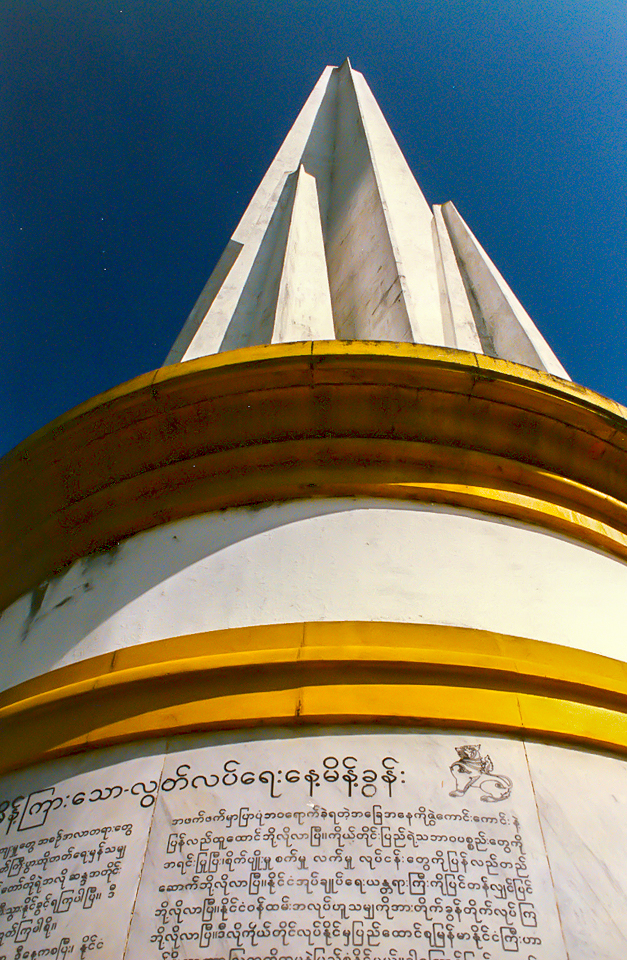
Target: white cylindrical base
(344,559)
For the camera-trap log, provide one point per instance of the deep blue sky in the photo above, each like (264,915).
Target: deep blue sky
(135,132)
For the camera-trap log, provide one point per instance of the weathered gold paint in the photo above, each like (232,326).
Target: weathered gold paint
(303,420)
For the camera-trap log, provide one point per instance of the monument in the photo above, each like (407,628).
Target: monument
(313,639)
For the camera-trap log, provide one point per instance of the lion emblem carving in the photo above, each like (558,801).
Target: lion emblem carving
(473,770)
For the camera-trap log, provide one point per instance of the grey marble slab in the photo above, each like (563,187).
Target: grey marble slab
(349,845)
(582,802)
(73,835)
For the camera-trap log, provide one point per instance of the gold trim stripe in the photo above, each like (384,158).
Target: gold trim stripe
(319,673)
(286,421)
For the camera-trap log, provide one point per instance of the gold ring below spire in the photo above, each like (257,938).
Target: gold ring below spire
(317,419)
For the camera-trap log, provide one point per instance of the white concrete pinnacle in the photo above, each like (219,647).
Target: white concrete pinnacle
(339,242)
(302,310)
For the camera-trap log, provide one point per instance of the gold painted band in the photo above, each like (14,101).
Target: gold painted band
(289,421)
(319,673)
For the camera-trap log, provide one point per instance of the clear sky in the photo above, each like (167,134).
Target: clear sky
(134,133)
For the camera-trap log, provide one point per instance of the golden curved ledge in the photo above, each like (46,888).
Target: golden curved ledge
(303,420)
(319,673)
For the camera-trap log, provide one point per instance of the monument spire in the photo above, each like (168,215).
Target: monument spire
(316,648)
(339,242)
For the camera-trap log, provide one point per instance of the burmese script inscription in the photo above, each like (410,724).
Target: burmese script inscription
(71,847)
(331,847)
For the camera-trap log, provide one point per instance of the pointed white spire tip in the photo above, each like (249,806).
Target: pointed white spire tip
(339,240)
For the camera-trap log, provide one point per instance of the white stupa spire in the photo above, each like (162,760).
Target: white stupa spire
(302,308)
(339,242)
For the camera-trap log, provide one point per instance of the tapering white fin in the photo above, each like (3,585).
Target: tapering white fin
(224,318)
(460,329)
(366,290)
(338,241)
(512,331)
(303,307)
(195,329)
(408,221)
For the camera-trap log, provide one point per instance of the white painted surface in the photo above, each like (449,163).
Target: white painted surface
(209,321)
(303,304)
(321,560)
(408,220)
(366,289)
(459,324)
(511,329)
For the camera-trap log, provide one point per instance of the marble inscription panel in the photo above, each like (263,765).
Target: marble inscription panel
(356,846)
(279,845)
(72,840)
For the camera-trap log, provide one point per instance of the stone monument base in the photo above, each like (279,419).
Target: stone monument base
(342,843)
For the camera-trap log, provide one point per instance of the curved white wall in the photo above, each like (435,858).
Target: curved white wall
(321,560)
